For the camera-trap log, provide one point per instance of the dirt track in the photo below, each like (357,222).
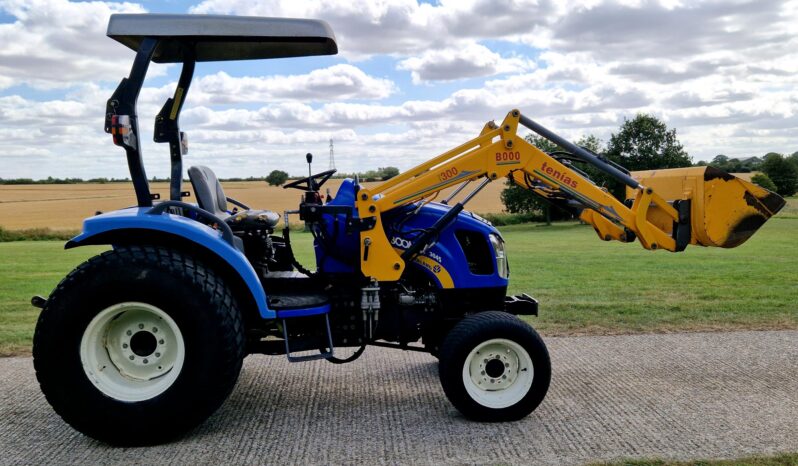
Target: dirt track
(700,395)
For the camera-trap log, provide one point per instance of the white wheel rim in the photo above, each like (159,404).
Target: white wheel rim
(498,373)
(132,351)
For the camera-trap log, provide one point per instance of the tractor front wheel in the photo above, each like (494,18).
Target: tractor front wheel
(494,367)
(138,345)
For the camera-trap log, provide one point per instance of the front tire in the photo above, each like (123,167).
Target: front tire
(138,345)
(494,367)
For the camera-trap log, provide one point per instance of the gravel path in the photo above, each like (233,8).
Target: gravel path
(699,395)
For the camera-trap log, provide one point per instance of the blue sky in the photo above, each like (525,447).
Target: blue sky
(411,80)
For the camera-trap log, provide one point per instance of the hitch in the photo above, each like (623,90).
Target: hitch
(38,301)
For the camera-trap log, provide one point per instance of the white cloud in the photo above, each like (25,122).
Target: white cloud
(365,27)
(723,74)
(468,61)
(338,82)
(55,43)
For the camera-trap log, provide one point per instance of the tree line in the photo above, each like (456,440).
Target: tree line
(275,178)
(778,172)
(279,177)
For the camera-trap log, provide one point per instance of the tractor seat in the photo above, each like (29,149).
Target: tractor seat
(211,197)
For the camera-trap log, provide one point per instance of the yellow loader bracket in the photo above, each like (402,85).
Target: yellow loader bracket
(664,209)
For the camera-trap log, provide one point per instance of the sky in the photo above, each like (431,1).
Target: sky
(412,79)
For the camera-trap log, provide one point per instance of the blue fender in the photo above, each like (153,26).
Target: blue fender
(136,218)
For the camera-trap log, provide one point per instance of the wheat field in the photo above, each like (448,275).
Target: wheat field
(63,207)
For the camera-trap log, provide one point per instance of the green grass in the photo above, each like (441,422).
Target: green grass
(28,268)
(588,286)
(787,459)
(585,286)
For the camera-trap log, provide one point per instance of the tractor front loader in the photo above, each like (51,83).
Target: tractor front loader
(143,342)
(664,209)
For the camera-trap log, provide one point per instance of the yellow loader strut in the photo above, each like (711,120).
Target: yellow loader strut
(665,209)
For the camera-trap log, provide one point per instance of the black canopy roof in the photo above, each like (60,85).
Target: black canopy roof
(219,38)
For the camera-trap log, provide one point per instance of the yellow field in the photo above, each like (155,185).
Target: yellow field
(63,207)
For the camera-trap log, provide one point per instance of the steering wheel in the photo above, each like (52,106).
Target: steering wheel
(312,182)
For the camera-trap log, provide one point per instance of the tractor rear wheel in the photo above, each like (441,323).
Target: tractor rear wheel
(138,345)
(494,367)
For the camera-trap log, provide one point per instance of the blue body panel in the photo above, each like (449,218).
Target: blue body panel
(447,250)
(343,254)
(203,235)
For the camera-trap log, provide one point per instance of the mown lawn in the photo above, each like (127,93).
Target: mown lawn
(585,286)
(786,459)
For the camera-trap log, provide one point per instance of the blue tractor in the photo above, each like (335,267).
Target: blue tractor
(146,340)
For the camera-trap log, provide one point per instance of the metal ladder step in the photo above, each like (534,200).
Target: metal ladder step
(309,357)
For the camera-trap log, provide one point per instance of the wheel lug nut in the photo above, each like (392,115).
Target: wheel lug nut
(482,373)
(129,333)
(145,361)
(124,345)
(157,355)
(141,326)
(155,330)
(160,341)
(132,357)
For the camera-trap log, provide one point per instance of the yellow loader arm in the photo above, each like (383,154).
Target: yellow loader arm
(705,206)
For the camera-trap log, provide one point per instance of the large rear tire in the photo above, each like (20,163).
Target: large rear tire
(138,345)
(494,367)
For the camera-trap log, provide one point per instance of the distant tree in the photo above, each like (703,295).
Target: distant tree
(277,178)
(764,181)
(646,143)
(793,159)
(719,160)
(783,173)
(519,200)
(642,143)
(388,172)
(735,166)
(543,144)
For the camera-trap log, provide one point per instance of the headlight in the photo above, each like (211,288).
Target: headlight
(502,267)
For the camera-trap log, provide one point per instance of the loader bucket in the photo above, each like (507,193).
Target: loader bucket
(724,209)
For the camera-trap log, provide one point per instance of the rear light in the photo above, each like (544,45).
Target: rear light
(122,131)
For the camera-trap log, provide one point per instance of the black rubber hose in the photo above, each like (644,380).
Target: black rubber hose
(351,358)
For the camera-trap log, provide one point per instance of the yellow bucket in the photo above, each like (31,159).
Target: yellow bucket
(724,209)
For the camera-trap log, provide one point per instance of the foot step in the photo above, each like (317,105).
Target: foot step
(305,313)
